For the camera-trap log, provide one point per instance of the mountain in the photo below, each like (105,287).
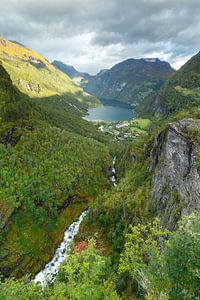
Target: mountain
(132,81)
(36,77)
(69,70)
(78,77)
(181,91)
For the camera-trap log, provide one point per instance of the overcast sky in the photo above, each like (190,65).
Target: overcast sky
(96,34)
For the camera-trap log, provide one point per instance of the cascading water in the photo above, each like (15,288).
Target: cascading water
(113,177)
(48,274)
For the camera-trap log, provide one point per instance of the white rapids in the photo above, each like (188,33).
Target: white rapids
(113,177)
(48,274)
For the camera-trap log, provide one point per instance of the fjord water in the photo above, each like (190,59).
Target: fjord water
(111,110)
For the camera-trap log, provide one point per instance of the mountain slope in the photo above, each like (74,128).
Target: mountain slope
(181,91)
(132,81)
(78,77)
(48,175)
(36,77)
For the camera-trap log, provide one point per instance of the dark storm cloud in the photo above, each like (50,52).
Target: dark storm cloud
(95,33)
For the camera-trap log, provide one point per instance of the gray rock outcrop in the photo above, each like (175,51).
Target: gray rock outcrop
(176,182)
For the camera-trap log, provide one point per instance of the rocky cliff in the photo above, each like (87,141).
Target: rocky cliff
(176,182)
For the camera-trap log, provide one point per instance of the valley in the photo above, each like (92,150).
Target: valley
(133,81)
(98,195)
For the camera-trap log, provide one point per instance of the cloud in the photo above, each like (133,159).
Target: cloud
(93,34)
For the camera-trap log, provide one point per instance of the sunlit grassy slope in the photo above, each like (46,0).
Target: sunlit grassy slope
(36,77)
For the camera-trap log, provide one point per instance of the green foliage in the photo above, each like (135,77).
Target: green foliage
(60,118)
(126,204)
(22,289)
(166,269)
(141,242)
(47,157)
(179,263)
(52,173)
(39,184)
(85,276)
(13,104)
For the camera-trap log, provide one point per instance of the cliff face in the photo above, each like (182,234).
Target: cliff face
(176,182)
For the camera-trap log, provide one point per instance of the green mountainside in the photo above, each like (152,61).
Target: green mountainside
(46,159)
(181,90)
(132,81)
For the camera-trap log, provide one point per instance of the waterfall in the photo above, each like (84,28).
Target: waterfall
(114,176)
(50,271)
(48,274)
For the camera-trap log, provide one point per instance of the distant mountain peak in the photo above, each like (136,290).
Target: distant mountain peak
(68,69)
(153,60)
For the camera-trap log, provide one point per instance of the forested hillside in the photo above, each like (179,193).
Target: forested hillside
(45,163)
(181,91)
